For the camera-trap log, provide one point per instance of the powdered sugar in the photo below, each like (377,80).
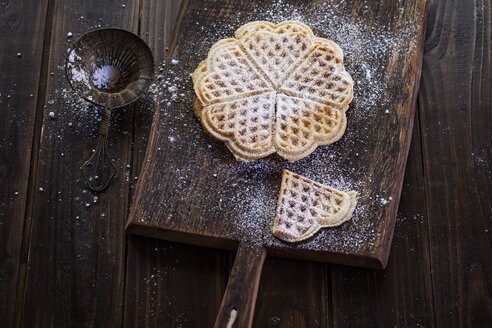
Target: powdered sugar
(105,77)
(365,46)
(248,191)
(77,73)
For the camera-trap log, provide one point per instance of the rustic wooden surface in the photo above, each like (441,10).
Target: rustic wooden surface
(204,207)
(76,254)
(22,85)
(238,304)
(59,270)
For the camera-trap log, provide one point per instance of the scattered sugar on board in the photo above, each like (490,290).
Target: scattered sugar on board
(366,49)
(365,46)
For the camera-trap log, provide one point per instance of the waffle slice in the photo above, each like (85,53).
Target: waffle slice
(305,206)
(321,77)
(227,73)
(245,124)
(276,54)
(302,125)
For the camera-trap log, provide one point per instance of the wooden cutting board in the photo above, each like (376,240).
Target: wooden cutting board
(192,190)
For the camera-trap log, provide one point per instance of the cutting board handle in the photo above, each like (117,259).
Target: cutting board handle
(239,300)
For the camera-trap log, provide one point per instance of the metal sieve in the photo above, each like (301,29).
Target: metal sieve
(111,68)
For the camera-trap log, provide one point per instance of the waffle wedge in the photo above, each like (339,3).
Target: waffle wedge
(273,88)
(305,206)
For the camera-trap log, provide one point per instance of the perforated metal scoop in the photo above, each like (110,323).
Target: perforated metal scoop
(112,68)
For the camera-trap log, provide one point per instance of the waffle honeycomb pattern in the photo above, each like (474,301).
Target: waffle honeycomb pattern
(273,88)
(305,206)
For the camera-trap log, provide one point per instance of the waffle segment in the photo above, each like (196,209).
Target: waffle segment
(305,206)
(302,125)
(276,55)
(321,77)
(227,73)
(245,124)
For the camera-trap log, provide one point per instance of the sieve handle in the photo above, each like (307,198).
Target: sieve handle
(99,169)
(238,304)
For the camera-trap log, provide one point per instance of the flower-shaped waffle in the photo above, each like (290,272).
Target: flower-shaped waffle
(305,206)
(273,88)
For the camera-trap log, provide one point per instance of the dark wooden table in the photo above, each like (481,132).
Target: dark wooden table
(65,259)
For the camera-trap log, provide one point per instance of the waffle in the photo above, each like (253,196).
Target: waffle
(305,206)
(301,125)
(245,124)
(273,89)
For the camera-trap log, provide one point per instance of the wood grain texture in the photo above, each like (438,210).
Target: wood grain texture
(167,284)
(401,295)
(172,285)
(209,206)
(293,294)
(157,21)
(455,108)
(22,28)
(76,255)
(438,273)
(238,304)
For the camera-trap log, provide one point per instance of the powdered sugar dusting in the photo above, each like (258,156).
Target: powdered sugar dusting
(250,190)
(105,77)
(77,73)
(365,46)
